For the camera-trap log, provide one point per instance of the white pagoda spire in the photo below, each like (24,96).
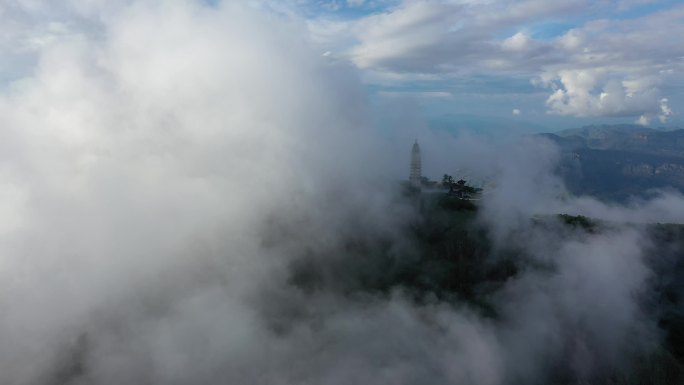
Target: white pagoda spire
(415,176)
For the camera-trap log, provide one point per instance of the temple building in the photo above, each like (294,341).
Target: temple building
(415,173)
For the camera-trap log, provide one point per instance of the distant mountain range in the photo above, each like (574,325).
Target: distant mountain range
(615,162)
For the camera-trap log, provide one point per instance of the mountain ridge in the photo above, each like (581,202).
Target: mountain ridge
(617,162)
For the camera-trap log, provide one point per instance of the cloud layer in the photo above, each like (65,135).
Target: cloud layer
(161,177)
(605,65)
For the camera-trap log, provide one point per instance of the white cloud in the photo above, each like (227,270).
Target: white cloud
(616,67)
(400,37)
(516,111)
(596,92)
(451,39)
(159,173)
(145,160)
(446,36)
(155,187)
(643,120)
(433,39)
(665,110)
(517,42)
(663,113)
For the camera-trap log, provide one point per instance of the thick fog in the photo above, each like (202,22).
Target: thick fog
(159,177)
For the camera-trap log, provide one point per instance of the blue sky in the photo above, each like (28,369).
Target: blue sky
(554,64)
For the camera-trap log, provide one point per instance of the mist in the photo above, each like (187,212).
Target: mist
(163,180)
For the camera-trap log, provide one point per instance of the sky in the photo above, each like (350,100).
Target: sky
(532,63)
(552,63)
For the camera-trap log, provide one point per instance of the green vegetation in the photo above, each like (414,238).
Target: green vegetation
(578,221)
(445,256)
(454,203)
(459,188)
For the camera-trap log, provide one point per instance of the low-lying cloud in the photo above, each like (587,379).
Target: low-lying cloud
(160,180)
